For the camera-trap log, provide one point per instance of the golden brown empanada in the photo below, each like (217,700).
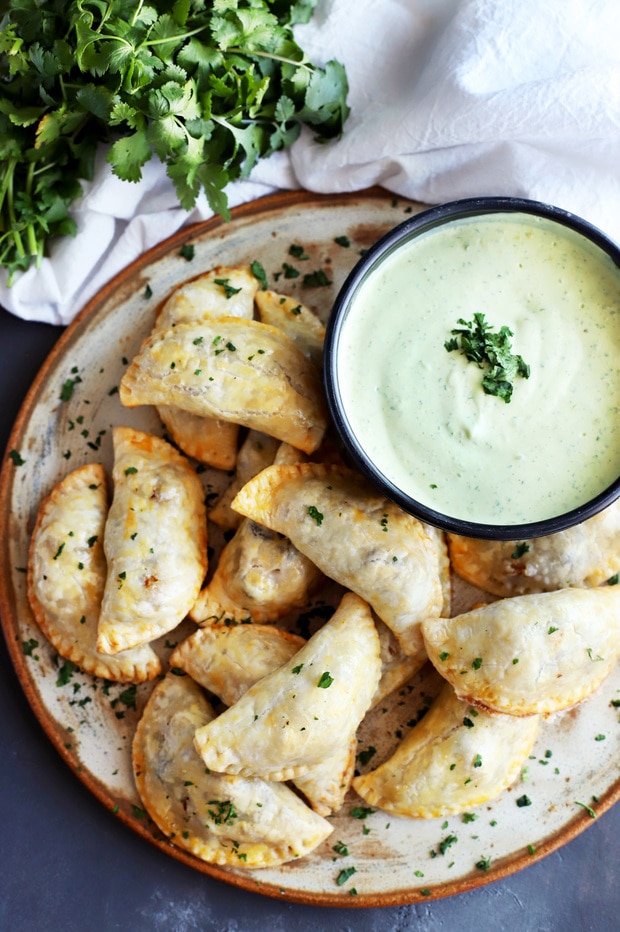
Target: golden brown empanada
(259,576)
(67,574)
(238,370)
(355,536)
(234,821)
(257,451)
(223,291)
(228,660)
(297,320)
(155,542)
(585,555)
(532,653)
(304,711)
(454,759)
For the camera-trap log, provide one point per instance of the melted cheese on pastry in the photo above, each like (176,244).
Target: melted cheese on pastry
(450,762)
(532,653)
(238,370)
(355,536)
(67,574)
(234,821)
(155,542)
(307,709)
(585,555)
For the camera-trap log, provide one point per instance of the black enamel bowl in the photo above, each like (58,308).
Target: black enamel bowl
(401,237)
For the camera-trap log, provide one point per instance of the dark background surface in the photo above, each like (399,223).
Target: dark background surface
(67,864)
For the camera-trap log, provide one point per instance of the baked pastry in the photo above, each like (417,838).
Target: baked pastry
(453,760)
(585,555)
(234,821)
(355,536)
(223,291)
(295,319)
(532,653)
(155,542)
(67,573)
(304,711)
(238,370)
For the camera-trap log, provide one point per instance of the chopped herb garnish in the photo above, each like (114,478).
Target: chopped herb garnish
(29,646)
(360,812)
(593,659)
(476,663)
(477,761)
(341,849)
(551,629)
(325,681)
(297,251)
(59,551)
(344,875)
(259,273)
(588,809)
(491,351)
(469,817)
(290,271)
(468,722)
(444,655)
(317,279)
(187,251)
(16,458)
(524,801)
(224,283)
(613,580)
(520,550)
(65,673)
(130,470)
(298,668)
(148,293)
(315,514)
(484,863)
(343,241)
(67,389)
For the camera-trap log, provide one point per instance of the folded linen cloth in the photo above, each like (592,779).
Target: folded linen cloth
(449,99)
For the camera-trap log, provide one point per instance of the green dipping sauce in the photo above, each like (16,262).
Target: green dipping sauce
(421,413)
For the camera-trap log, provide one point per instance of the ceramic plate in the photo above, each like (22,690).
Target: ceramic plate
(91,722)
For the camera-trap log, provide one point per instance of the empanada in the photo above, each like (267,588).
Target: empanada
(531,653)
(257,451)
(238,370)
(234,821)
(259,576)
(297,320)
(451,761)
(304,711)
(585,555)
(67,574)
(223,291)
(155,542)
(355,536)
(229,660)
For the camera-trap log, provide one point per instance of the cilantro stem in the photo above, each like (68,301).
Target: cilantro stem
(178,38)
(255,53)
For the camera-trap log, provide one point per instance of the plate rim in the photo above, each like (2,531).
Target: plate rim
(260,207)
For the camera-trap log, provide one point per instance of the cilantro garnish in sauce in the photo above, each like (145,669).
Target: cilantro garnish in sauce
(491,351)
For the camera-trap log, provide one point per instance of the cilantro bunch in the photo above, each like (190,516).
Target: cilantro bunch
(209,87)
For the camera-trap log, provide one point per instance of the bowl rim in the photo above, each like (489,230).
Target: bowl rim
(403,232)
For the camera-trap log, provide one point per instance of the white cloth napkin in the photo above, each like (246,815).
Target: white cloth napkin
(449,99)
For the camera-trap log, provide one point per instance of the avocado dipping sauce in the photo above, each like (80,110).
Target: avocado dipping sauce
(420,413)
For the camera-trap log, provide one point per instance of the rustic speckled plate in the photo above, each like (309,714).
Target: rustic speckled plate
(91,722)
